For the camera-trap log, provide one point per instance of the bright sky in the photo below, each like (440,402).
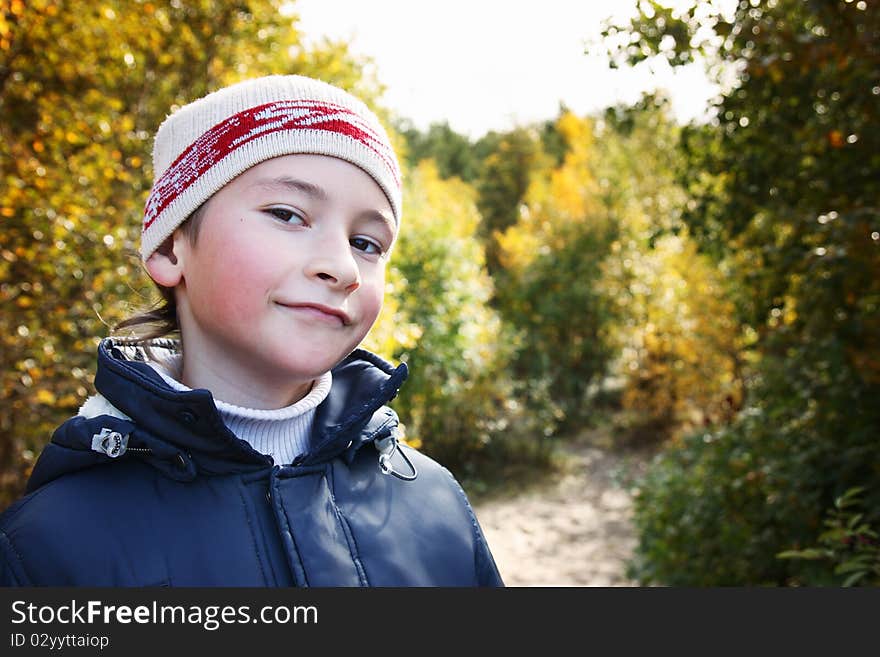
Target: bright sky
(492,64)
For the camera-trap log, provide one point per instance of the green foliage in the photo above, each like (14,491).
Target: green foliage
(597,261)
(553,142)
(718,506)
(500,164)
(849,545)
(453,153)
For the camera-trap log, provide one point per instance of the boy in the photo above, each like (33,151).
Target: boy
(258,451)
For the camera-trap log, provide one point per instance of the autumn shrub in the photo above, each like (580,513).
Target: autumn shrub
(680,347)
(549,286)
(720,505)
(677,340)
(459,404)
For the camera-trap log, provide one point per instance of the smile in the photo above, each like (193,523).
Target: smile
(318,312)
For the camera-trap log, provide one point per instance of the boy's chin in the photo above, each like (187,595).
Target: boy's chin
(303,367)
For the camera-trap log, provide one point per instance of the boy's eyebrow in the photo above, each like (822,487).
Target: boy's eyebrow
(284,182)
(316,192)
(375,215)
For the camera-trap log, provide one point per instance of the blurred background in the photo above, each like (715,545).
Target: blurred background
(647,227)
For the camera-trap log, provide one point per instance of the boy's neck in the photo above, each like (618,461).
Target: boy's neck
(242,387)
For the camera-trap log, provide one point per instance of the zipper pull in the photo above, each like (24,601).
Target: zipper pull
(109,442)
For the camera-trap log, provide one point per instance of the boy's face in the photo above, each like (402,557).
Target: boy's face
(288,271)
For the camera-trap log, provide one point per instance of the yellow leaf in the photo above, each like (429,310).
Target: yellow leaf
(45,397)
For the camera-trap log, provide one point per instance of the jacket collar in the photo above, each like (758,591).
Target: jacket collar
(184,432)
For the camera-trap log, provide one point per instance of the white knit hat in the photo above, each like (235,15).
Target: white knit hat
(204,145)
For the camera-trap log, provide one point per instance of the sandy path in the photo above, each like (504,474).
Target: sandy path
(574,530)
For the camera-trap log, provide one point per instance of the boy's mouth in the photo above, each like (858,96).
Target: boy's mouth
(320,312)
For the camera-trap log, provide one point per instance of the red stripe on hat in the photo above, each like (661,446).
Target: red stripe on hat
(242,128)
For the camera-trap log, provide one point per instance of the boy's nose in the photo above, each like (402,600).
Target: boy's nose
(335,266)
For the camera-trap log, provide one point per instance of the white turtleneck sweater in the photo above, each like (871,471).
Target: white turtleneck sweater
(281,433)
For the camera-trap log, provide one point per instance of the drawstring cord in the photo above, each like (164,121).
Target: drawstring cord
(386,447)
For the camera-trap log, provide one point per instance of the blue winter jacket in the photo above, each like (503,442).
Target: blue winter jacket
(156,491)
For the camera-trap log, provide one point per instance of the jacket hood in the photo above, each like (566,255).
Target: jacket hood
(137,414)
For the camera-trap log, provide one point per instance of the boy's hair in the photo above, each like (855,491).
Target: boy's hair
(161,320)
(204,145)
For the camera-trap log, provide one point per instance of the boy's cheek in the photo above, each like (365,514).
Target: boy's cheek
(377,298)
(367,314)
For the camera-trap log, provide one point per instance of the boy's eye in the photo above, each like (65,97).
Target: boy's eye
(366,245)
(285,214)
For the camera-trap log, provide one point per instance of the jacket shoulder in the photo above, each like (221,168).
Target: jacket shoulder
(484,563)
(428,517)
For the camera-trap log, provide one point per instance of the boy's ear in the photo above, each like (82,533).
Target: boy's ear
(165,265)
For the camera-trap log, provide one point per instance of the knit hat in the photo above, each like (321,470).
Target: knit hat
(205,144)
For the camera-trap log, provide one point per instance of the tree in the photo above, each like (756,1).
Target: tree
(453,153)
(783,190)
(513,159)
